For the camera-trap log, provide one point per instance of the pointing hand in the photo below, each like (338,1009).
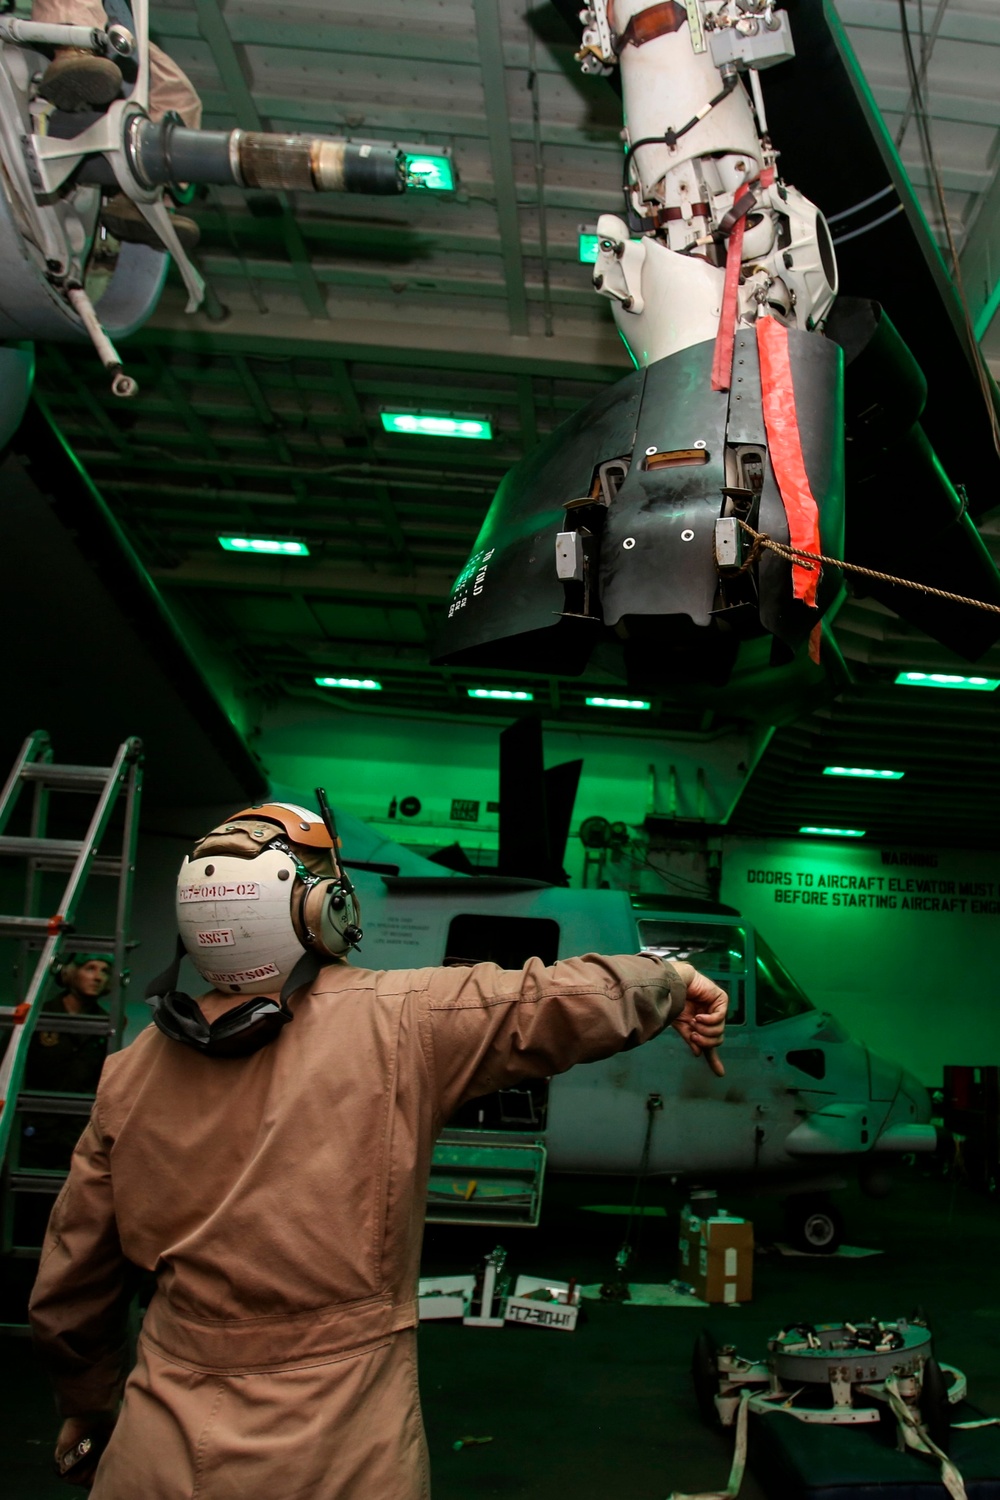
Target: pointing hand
(702,1022)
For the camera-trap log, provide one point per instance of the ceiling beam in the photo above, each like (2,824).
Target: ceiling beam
(180,405)
(962,109)
(379,465)
(275,382)
(309,575)
(409,123)
(593,347)
(225,267)
(214,31)
(455,47)
(401,246)
(502,155)
(956,179)
(981,258)
(956,25)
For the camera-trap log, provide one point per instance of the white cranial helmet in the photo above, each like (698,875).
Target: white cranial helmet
(260,892)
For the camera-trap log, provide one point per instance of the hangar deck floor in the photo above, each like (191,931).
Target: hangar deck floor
(608,1410)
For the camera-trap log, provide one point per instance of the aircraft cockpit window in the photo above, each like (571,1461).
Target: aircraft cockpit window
(717,950)
(507,941)
(778,996)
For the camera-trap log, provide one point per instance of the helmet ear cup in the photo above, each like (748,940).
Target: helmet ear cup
(327,914)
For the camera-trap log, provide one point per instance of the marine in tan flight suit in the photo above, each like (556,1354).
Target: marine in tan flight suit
(279,1200)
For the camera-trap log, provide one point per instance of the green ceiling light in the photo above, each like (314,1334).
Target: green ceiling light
(947,680)
(430,170)
(617,703)
(836,833)
(367,683)
(505,695)
(432,424)
(273,546)
(587,247)
(864,773)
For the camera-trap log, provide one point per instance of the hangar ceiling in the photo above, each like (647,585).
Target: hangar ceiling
(268,421)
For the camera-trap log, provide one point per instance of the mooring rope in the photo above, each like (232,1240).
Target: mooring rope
(762,542)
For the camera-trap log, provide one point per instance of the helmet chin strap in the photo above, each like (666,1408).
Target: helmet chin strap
(238,1032)
(305,972)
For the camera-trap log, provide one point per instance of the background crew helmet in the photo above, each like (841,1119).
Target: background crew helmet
(261,891)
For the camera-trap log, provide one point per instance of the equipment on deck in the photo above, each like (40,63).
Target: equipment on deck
(834,1375)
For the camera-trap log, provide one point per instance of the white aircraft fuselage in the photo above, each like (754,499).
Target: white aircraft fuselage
(801,1099)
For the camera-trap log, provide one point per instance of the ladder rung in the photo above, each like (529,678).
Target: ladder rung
(58,848)
(39,1180)
(56,1020)
(38,927)
(75,778)
(52,1103)
(56,854)
(78,942)
(60,863)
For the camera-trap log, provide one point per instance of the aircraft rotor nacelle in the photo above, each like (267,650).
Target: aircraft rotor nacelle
(721,277)
(624,526)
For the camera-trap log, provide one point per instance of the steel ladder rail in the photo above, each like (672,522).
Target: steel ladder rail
(126,768)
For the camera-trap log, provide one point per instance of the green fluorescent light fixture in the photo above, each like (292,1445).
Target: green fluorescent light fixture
(587,248)
(836,833)
(616,703)
(281,546)
(506,695)
(430,171)
(863,773)
(947,680)
(427,424)
(367,683)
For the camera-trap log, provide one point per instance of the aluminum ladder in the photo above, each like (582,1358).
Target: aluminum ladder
(49,936)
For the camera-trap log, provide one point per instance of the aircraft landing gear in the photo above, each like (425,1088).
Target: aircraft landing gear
(813,1223)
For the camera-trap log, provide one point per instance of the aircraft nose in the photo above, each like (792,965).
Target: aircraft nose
(884,1079)
(891,1084)
(913,1102)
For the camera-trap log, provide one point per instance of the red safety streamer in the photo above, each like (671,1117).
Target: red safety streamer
(816,643)
(722,364)
(785,446)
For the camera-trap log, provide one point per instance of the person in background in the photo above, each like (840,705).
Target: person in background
(65,1062)
(77,80)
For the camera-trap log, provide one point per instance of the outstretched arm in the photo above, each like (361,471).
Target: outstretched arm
(491,1027)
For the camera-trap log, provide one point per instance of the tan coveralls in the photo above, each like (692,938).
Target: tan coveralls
(280,1200)
(169,85)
